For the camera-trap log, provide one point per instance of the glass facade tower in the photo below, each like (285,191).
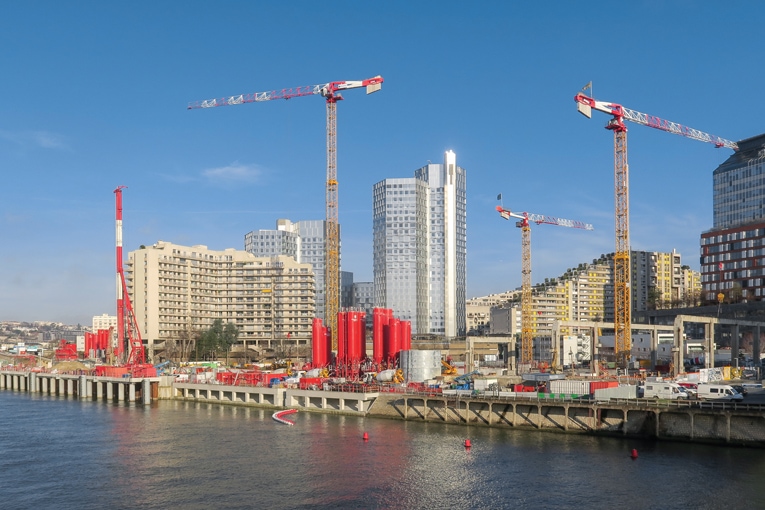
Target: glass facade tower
(302,240)
(420,247)
(733,251)
(739,186)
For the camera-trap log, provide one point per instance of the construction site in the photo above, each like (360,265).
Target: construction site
(350,365)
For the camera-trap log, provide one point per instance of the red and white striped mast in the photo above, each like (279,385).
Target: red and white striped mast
(120,290)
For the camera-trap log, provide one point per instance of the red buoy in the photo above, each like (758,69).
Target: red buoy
(467,443)
(365,436)
(634,454)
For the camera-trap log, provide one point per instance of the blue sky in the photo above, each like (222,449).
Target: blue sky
(95,95)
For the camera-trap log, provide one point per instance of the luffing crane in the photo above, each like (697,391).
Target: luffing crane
(331,92)
(622,306)
(525,225)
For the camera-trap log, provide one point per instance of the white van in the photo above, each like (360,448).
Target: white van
(662,389)
(719,392)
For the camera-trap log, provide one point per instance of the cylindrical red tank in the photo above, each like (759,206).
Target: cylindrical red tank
(388,322)
(90,341)
(318,343)
(386,342)
(342,352)
(328,343)
(379,320)
(394,328)
(406,335)
(353,342)
(362,335)
(104,336)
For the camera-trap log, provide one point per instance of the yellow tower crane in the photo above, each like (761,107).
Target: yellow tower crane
(524,223)
(331,92)
(622,267)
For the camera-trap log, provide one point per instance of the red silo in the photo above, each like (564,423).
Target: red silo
(406,335)
(353,343)
(104,337)
(342,351)
(328,343)
(318,343)
(394,328)
(379,320)
(90,344)
(362,335)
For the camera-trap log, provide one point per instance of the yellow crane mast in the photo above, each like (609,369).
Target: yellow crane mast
(622,266)
(331,92)
(527,314)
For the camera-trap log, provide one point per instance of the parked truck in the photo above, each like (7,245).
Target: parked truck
(664,390)
(718,392)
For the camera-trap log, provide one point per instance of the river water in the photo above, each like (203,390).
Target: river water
(61,453)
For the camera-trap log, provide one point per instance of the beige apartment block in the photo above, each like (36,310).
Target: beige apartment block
(104,321)
(478,310)
(180,290)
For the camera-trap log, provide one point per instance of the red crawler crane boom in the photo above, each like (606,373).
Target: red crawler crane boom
(622,306)
(330,91)
(127,327)
(526,312)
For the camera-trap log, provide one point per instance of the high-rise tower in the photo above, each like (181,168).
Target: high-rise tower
(420,247)
(731,252)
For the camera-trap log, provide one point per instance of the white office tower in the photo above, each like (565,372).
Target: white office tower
(420,247)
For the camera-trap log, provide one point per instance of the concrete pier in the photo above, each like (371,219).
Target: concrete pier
(140,390)
(326,401)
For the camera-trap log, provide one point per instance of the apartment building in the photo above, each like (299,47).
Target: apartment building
(586,293)
(176,289)
(104,321)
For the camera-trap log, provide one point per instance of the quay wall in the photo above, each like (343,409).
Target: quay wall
(700,422)
(703,422)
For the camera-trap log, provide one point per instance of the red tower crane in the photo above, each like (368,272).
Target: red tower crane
(526,313)
(331,92)
(127,327)
(619,113)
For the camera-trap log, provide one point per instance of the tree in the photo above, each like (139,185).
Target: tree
(230,336)
(187,339)
(216,339)
(653,298)
(695,297)
(178,347)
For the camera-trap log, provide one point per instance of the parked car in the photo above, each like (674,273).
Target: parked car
(740,389)
(691,392)
(690,388)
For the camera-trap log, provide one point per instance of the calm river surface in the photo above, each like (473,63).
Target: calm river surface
(59,453)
